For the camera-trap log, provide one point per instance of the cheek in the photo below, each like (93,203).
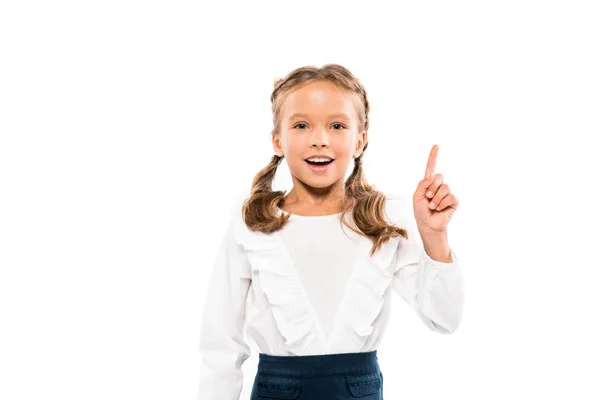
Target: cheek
(344,148)
(290,146)
(294,147)
(294,151)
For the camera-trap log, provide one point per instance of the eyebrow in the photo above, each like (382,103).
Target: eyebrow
(296,115)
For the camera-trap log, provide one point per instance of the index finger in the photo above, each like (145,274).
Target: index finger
(432,161)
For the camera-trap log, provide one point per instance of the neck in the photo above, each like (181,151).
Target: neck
(329,198)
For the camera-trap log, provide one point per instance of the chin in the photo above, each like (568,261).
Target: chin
(320,183)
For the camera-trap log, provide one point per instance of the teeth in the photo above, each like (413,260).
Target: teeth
(319,159)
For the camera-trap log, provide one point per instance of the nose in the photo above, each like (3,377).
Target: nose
(319,137)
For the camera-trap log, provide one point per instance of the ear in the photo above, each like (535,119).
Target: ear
(276,145)
(361,141)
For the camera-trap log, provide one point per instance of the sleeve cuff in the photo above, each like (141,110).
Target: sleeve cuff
(439,264)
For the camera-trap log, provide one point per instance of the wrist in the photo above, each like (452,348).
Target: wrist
(436,245)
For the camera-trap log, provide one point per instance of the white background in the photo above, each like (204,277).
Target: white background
(129,128)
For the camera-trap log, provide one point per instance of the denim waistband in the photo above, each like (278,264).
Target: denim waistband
(319,365)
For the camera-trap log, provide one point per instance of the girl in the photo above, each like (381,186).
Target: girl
(313,296)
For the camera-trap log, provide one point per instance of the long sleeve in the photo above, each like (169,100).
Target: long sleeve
(435,290)
(222,344)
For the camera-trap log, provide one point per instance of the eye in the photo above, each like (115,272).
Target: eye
(302,123)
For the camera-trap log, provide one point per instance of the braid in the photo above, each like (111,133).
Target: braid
(366,204)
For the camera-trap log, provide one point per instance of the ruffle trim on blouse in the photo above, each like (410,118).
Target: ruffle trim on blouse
(364,297)
(283,290)
(296,320)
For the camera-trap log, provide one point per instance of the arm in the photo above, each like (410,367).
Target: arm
(222,345)
(437,247)
(434,289)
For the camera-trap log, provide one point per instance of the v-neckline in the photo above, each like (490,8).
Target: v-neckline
(305,298)
(294,314)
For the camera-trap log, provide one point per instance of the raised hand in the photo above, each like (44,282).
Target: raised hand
(433,203)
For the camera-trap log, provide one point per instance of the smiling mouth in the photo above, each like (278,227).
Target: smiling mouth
(319,163)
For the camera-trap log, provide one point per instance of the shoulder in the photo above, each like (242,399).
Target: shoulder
(235,218)
(232,222)
(398,208)
(231,251)
(244,236)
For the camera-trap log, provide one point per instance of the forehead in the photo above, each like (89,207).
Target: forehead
(318,99)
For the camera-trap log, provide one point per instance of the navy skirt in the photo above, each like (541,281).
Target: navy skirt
(318,377)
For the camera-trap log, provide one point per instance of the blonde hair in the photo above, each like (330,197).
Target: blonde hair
(366,203)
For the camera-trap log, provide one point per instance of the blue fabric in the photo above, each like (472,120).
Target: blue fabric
(318,377)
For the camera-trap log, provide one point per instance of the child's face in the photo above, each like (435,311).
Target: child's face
(328,127)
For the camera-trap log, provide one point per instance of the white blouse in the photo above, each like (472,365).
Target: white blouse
(312,288)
